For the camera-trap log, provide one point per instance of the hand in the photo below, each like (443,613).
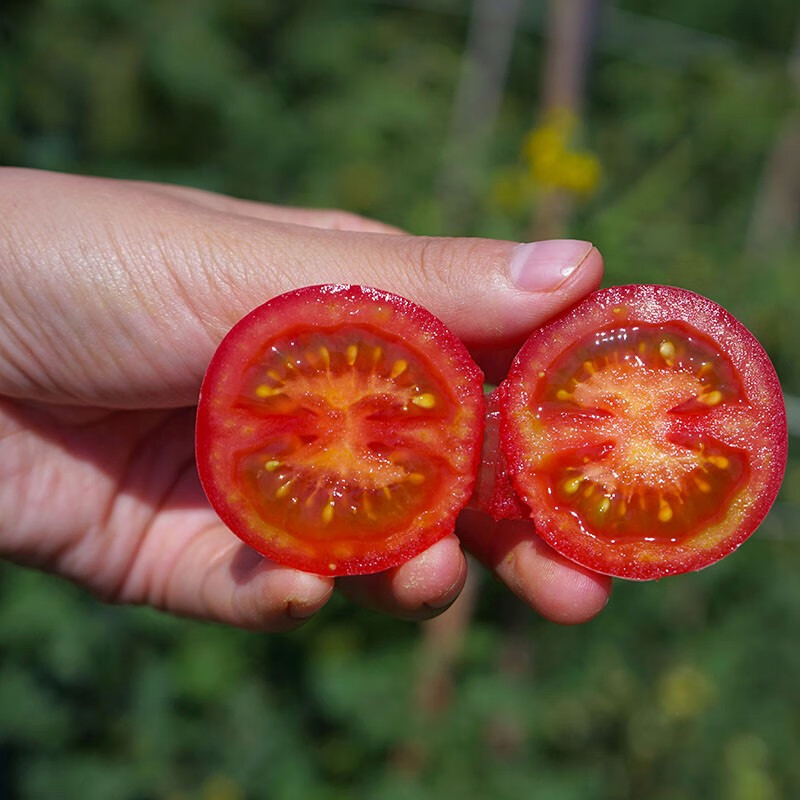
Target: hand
(113,297)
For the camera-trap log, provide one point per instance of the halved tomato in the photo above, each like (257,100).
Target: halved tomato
(339,429)
(646,431)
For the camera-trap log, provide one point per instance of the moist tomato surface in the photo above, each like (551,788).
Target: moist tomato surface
(339,429)
(645,430)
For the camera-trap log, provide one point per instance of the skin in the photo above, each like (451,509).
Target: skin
(113,297)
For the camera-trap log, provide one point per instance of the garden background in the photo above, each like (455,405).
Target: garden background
(668,133)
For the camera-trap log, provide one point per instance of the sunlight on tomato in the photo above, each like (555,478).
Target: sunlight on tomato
(339,429)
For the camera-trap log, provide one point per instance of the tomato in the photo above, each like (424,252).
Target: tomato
(339,429)
(645,430)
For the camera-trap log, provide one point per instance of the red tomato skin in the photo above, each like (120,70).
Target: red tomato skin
(494,493)
(767,447)
(315,307)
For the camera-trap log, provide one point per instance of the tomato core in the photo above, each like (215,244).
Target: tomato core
(616,402)
(348,410)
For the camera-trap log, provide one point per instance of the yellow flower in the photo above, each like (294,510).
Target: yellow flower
(551,162)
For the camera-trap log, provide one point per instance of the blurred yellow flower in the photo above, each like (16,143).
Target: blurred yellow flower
(551,162)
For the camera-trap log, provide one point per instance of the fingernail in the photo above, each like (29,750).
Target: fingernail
(544,266)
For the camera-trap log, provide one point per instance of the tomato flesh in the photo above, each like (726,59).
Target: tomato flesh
(645,430)
(339,429)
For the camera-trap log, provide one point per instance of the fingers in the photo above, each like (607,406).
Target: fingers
(332,219)
(116,293)
(213,576)
(559,590)
(419,589)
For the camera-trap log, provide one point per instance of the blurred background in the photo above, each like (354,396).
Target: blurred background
(668,133)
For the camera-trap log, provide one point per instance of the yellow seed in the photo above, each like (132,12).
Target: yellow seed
(617,309)
(283,490)
(711,398)
(703,486)
(704,367)
(642,348)
(622,508)
(376,355)
(541,373)
(264,391)
(416,478)
(563,394)
(327,513)
(326,356)
(664,512)
(571,485)
(589,367)
(271,466)
(387,492)
(720,462)
(667,350)
(589,490)
(398,368)
(365,501)
(351,354)
(425,400)
(275,375)
(331,566)
(604,505)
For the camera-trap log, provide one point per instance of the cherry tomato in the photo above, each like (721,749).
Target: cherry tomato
(645,429)
(339,429)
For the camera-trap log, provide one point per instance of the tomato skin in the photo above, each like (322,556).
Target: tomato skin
(494,493)
(750,417)
(238,421)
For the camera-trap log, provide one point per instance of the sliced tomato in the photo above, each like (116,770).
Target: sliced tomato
(645,429)
(339,429)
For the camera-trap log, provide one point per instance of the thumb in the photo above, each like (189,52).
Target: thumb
(117,294)
(488,292)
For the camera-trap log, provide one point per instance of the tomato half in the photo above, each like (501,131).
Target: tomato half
(646,431)
(339,429)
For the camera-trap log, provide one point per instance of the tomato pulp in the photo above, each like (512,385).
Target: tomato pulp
(645,430)
(339,429)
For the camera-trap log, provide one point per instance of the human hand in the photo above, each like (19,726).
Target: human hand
(113,297)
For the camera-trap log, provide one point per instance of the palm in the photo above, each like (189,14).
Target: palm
(109,498)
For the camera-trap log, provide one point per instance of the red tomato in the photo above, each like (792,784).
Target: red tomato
(339,429)
(646,431)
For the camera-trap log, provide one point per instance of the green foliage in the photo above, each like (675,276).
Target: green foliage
(683,688)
